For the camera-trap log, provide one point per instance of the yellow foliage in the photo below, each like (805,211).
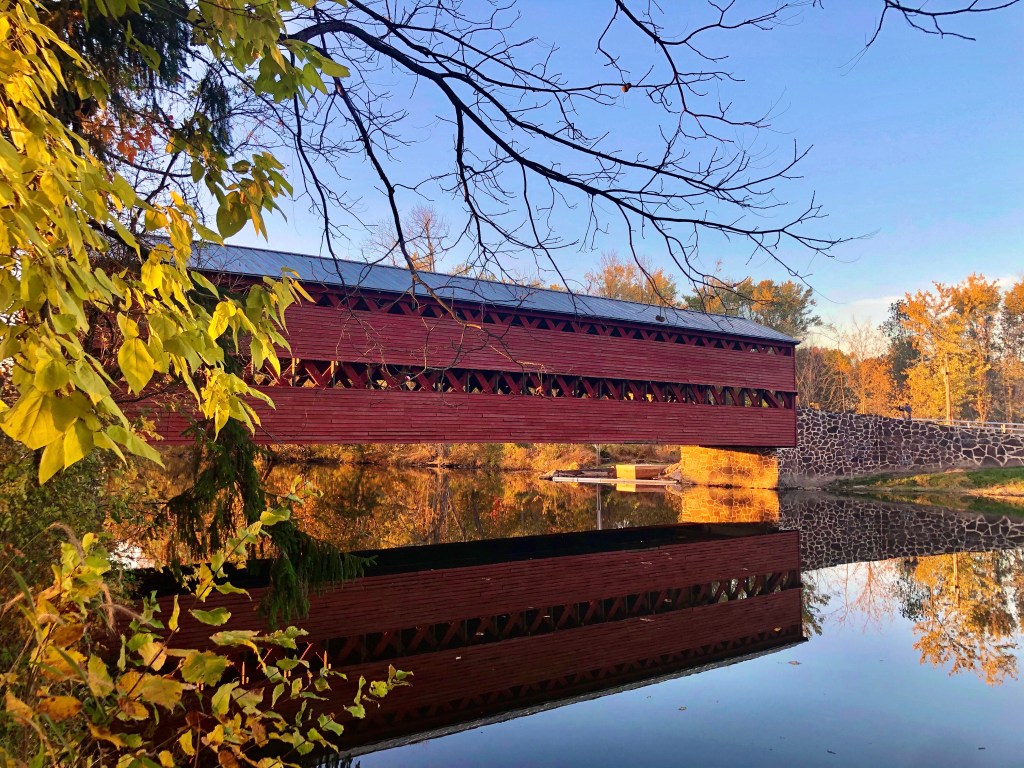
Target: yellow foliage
(61,208)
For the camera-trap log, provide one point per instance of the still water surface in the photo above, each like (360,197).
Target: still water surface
(912,622)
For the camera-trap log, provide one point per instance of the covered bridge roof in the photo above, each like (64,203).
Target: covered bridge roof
(244,260)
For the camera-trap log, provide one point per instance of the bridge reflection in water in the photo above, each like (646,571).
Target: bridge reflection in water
(511,626)
(498,595)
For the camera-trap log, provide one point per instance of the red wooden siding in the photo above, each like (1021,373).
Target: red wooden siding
(320,333)
(373,368)
(339,416)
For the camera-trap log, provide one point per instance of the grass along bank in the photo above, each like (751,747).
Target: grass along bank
(997,490)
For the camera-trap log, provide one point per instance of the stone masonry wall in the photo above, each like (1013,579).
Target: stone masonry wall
(727,467)
(832,446)
(837,530)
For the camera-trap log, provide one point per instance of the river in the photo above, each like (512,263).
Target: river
(904,651)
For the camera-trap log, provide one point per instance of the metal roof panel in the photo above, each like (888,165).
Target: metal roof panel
(243,260)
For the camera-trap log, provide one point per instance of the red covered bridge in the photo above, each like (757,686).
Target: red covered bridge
(377,358)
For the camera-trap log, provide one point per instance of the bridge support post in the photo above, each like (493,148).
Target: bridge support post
(728,467)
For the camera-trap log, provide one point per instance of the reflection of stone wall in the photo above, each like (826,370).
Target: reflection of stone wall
(835,530)
(700,504)
(730,467)
(838,445)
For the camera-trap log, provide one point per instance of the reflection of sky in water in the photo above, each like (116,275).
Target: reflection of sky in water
(858,696)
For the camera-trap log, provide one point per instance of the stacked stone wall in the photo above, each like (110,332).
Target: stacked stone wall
(727,467)
(836,530)
(832,446)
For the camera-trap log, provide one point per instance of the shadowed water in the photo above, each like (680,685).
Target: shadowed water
(912,617)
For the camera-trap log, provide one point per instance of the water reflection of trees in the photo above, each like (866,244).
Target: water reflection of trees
(363,508)
(965,608)
(969,620)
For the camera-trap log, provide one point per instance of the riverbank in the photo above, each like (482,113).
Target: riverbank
(991,490)
(505,457)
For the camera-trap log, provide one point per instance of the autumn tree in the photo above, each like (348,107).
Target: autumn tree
(869,376)
(787,307)
(88,105)
(631,280)
(953,329)
(901,353)
(1011,336)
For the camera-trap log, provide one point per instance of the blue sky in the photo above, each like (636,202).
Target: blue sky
(915,143)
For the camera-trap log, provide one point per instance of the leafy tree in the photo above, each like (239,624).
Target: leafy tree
(77,238)
(952,327)
(787,307)
(1011,337)
(966,618)
(902,353)
(631,280)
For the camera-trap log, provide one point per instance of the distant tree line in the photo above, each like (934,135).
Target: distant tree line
(952,351)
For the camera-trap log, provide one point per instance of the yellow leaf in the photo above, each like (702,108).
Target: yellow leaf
(77,443)
(52,461)
(166,758)
(185,742)
(100,683)
(221,318)
(152,274)
(131,710)
(162,691)
(67,634)
(52,375)
(59,707)
(153,654)
(104,734)
(38,418)
(172,623)
(16,707)
(128,327)
(136,363)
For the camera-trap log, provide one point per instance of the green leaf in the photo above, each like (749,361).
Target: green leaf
(215,618)
(231,216)
(243,637)
(333,68)
(222,699)
(203,667)
(273,516)
(133,443)
(136,363)
(200,280)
